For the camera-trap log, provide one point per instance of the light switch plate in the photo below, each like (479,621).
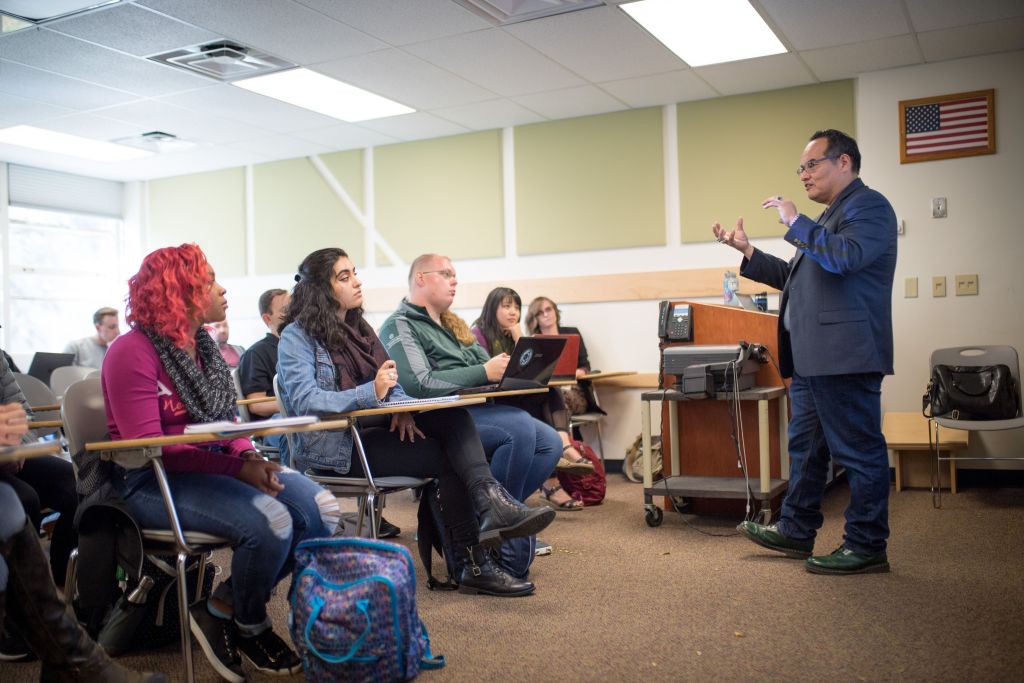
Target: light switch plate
(910,288)
(967,285)
(939,207)
(939,285)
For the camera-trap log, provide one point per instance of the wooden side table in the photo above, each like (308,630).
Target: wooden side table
(907,433)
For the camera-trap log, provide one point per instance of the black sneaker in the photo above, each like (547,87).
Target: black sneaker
(13,647)
(218,639)
(268,652)
(386,529)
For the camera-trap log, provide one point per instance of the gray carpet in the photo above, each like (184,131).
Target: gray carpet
(619,601)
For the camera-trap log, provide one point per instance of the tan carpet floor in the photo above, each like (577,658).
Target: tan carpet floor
(619,601)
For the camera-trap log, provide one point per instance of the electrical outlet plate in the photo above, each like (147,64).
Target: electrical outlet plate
(967,285)
(939,285)
(910,288)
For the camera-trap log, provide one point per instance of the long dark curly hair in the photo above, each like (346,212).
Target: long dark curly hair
(313,305)
(498,341)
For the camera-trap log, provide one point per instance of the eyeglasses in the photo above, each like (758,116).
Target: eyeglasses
(446,274)
(546,311)
(812,164)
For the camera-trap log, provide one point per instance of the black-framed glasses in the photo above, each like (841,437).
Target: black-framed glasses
(812,164)
(446,274)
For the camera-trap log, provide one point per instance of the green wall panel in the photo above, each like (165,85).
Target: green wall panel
(205,208)
(441,195)
(735,151)
(347,168)
(595,182)
(295,213)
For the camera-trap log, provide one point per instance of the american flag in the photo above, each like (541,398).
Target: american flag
(947,126)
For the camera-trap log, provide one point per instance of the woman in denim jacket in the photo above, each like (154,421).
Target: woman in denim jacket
(331,361)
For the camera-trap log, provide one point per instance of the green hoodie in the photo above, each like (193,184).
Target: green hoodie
(431,361)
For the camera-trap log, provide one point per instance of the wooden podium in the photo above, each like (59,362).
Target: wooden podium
(706,447)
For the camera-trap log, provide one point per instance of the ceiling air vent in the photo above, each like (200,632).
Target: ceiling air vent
(223,61)
(502,12)
(156,141)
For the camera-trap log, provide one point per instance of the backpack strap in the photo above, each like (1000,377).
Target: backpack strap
(429,537)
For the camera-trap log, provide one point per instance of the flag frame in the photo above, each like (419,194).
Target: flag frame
(989,95)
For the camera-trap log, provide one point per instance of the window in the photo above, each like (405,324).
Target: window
(61,267)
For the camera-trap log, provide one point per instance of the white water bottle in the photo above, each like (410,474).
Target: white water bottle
(730,285)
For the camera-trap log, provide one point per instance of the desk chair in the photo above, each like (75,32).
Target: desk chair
(85,421)
(38,394)
(973,355)
(592,417)
(369,491)
(65,376)
(269,452)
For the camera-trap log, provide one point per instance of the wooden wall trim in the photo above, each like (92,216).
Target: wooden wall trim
(586,289)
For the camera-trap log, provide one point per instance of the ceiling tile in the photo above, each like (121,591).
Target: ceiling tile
(969,41)
(346,136)
(45,49)
(197,160)
(497,61)
(281,27)
(753,75)
(231,102)
(571,102)
(416,126)
(406,79)
(809,24)
(400,22)
(95,127)
(667,88)
(18,110)
(133,29)
(929,15)
(488,115)
(190,125)
(55,89)
(599,44)
(846,61)
(279,147)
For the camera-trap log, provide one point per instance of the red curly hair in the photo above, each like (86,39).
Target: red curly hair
(169,292)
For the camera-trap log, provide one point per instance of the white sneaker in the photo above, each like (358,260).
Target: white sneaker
(542,549)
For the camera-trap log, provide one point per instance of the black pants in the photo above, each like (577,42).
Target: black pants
(49,482)
(451,453)
(548,407)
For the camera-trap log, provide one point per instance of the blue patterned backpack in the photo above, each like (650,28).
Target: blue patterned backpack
(353,615)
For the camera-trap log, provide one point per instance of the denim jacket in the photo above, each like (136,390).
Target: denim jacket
(309,386)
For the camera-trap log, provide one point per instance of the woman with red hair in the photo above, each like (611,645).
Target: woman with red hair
(164,374)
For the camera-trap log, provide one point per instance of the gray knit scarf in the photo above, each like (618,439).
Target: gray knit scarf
(208,393)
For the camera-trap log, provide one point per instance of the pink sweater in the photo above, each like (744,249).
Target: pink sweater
(141,402)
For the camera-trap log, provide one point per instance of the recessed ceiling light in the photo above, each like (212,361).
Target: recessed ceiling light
(702,32)
(43,10)
(324,95)
(68,145)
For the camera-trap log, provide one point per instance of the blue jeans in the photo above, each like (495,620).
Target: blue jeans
(523,452)
(262,530)
(839,415)
(12,520)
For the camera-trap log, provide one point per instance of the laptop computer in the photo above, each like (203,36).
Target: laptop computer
(529,367)
(44,363)
(566,367)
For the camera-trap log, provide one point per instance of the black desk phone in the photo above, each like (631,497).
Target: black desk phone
(675,322)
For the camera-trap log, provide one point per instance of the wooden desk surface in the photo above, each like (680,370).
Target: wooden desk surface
(595,376)
(562,383)
(910,431)
(632,380)
(45,408)
(508,392)
(413,408)
(250,401)
(206,438)
(30,450)
(44,424)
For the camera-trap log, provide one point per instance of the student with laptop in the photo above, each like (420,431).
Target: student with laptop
(330,361)
(436,355)
(495,329)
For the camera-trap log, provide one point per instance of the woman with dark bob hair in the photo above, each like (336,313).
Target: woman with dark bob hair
(331,361)
(165,374)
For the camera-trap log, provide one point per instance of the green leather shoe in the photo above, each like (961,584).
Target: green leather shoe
(769,537)
(845,561)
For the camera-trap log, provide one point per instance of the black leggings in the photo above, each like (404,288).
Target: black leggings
(549,407)
(451,453)
(49,482)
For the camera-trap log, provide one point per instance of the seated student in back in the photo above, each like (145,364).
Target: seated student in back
(89,351)
(258,365)
(437,355)
(330,361)
(497,330)
(231,353)
(543,317)
(165,374)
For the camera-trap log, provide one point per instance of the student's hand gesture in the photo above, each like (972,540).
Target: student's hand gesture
(13,424)
(404,424)
(386,378)
(262,474)
(495,367)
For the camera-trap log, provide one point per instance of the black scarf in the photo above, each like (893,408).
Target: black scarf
(363,354)
(208,393)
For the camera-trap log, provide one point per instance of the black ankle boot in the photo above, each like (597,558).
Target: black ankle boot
(502,516)
(49,625)
(479,574)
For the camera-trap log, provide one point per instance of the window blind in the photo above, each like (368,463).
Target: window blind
(43,189)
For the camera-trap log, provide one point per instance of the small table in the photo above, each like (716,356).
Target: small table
(907,433)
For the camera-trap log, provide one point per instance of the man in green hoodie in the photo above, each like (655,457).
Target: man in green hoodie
(437,355)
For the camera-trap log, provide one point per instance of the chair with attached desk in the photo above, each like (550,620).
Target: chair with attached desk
(38,394)
(369,491)
(269,452)
(63,377)
(975,356)
(85,421)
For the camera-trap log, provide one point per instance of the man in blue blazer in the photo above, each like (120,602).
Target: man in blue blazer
(835,341)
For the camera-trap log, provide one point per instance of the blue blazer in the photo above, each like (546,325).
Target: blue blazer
(837,290)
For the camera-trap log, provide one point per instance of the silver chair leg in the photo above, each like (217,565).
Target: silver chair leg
(71,577)
(371,510)
(186,636)
(937,476)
